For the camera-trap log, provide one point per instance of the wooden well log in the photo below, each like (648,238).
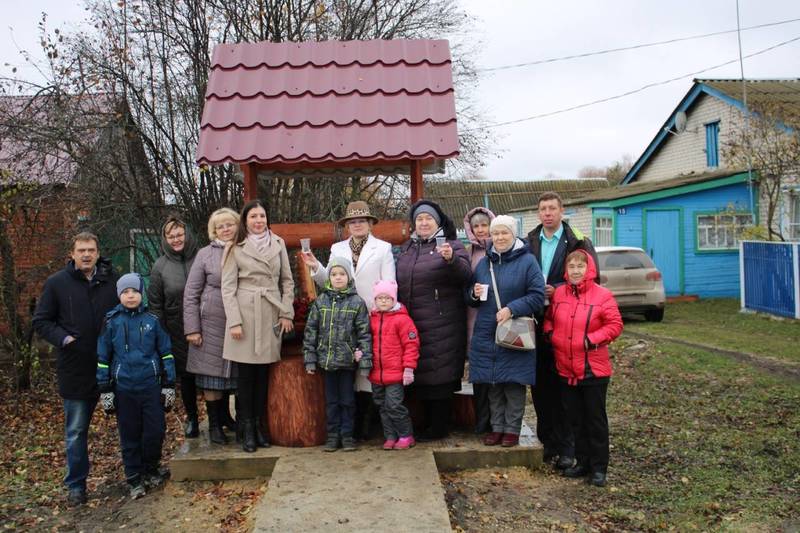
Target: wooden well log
(296,401)
(324,234)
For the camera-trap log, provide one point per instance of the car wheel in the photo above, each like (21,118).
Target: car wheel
(656,315)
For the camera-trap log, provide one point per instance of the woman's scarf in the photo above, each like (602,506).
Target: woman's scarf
(356,245)
(261,242)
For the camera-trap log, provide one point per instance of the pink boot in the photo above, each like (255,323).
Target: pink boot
(405,443)
(389,444)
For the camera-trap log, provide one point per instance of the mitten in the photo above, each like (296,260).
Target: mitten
(311,368)
(107,402)
(408,376)
(167,398)
(358,354)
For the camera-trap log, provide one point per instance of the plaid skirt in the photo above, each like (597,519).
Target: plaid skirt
(215,382)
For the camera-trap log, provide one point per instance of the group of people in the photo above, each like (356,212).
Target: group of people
(385,323)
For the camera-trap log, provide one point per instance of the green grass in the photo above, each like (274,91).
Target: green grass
(700,442)
(718,322)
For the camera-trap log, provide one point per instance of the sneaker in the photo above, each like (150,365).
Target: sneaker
(331,444)
(388,444)
(137,491)
(76,497)
(493,438)
(348,444)
(405,443)
(564,462)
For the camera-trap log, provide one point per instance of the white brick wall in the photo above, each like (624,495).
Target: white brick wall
(686,152)
(580,217)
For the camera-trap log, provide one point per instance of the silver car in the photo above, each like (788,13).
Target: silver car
(633,279)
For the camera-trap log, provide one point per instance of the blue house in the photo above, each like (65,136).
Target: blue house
(681,203)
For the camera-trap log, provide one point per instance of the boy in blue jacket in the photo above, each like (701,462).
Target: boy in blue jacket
(136,377)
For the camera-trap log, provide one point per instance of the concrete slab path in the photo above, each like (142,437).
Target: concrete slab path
(368,490)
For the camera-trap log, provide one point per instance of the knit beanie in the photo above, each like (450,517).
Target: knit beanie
(343,262)
(130,281)
(506,221)
(427,208)
(387,287)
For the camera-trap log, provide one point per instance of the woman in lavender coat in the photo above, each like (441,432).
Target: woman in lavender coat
(204,323)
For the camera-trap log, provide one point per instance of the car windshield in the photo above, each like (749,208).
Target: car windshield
(624,260)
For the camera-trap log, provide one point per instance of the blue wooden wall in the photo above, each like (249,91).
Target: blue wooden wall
(706,274)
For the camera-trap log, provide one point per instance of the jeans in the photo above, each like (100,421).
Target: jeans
(140,418)
(340,401)
(77,416)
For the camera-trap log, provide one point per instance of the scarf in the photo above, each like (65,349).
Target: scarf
(355,247)
(261,242)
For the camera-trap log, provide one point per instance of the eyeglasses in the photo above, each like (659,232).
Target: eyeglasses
(176,237)
(224,226)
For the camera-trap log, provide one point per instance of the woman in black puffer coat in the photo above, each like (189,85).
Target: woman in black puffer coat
(431,283)
(165,300)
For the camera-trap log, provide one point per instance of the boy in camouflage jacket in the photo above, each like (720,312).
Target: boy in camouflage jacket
(337,340)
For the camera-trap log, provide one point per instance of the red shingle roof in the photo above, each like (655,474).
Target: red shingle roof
(334,102)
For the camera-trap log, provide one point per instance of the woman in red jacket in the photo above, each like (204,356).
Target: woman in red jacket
(583,318)
(395,348)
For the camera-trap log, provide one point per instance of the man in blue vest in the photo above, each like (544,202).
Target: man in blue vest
(551,242)
(69,316)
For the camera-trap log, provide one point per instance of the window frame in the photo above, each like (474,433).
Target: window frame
(712,144)
(608,230)
(734,247)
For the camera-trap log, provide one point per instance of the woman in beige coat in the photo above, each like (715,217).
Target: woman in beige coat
(257,292)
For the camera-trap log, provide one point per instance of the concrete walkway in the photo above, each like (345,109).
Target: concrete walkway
(367,490)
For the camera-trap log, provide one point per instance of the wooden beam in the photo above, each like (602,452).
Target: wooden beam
(324,234)
(250,181)
(417,186)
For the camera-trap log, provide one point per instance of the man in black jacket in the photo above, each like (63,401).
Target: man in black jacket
(551,242)
(70,316)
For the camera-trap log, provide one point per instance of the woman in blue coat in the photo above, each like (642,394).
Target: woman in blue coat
(520,286)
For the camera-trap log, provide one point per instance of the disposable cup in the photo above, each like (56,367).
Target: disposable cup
(441,241)
(484,292)
(305,245)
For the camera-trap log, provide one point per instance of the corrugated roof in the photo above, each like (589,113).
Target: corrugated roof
(458,197)
(783,92)
(636,188)
(332,102)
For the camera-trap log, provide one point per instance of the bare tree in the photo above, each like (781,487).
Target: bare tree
(769,143)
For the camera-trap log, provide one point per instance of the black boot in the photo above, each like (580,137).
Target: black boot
(248,435)
(215,433)
(262,433)
(225,413)
(191,429)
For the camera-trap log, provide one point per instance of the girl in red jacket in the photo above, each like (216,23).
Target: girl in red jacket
(581,321)
(396,350)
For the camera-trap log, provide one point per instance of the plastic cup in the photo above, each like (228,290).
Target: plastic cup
(305,245)
(441,241)
(484,292)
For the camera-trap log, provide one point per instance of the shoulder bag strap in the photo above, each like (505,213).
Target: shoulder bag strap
(494,284)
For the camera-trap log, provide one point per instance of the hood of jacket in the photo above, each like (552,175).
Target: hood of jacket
(517,250)
(347,291)
(189,243)
(468,227)
(588,279)
(397,309)
(447,226)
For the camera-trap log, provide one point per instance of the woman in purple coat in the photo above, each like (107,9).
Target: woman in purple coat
(204,323)
(431,281)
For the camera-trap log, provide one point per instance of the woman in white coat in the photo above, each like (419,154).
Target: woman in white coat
(372,261)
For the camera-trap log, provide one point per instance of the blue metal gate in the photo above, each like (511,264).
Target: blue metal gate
(769,277)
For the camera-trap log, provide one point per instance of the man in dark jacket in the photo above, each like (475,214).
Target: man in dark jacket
(70,316)
(551,242)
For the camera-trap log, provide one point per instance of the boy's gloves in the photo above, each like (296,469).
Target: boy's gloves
(408,376)
(107,402)
(167,398)
(311,368)
(358,354)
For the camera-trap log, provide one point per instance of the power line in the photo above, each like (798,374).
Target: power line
(634,91)
(634,47)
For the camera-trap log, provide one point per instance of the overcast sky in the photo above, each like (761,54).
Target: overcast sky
(526,30)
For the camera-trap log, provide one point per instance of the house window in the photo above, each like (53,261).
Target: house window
(712,144)
(794,220)
(603,231)
(721,231)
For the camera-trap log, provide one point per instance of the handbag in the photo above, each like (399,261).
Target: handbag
(515,333)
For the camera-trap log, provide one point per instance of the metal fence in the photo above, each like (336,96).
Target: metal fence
(770,277)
